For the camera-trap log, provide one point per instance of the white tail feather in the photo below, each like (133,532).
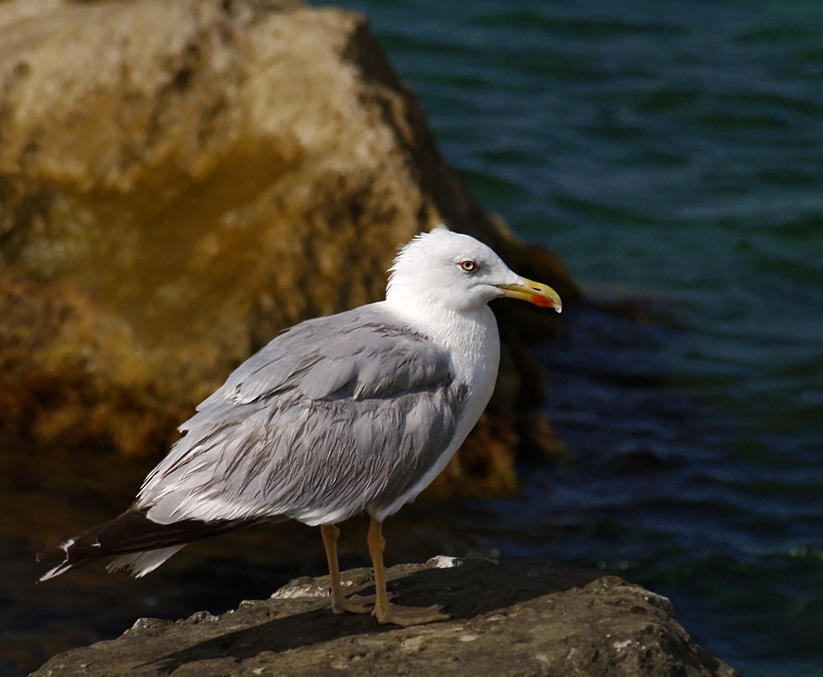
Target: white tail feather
(141,563)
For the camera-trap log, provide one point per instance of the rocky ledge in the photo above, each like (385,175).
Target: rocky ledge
(508,618)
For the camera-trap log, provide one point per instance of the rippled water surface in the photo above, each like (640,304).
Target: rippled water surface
(670,152)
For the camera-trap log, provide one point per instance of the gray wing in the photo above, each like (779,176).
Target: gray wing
(337,415)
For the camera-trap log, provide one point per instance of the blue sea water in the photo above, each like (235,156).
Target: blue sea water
(670,152)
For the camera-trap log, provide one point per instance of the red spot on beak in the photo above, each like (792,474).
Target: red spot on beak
(542,301)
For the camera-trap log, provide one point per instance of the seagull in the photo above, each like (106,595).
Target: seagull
(339,415)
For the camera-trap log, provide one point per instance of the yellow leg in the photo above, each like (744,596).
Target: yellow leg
(384,611)
(357,604)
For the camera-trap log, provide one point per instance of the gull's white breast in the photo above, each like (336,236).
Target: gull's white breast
(474,343)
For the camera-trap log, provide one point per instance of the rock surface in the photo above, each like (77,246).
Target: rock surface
(180,180)
(510,618)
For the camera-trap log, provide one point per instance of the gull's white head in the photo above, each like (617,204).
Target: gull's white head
(458,273)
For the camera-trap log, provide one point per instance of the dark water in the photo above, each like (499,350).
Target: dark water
(668,151)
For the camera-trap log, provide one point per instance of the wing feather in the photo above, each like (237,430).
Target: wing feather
(329,355)
(313,428)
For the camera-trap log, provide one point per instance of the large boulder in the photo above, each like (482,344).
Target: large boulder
(510,618)
(182,179)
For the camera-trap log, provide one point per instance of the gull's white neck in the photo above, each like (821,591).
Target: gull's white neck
(471,337)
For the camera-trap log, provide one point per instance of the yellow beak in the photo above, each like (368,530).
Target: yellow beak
(534,292)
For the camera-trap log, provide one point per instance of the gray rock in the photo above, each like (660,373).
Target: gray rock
(509,618)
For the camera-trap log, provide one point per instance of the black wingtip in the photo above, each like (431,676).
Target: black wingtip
(130,533)
(50,555)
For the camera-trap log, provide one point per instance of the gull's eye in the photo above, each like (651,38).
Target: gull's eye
(469,266)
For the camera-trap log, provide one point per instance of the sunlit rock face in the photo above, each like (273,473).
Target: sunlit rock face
(182,179)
